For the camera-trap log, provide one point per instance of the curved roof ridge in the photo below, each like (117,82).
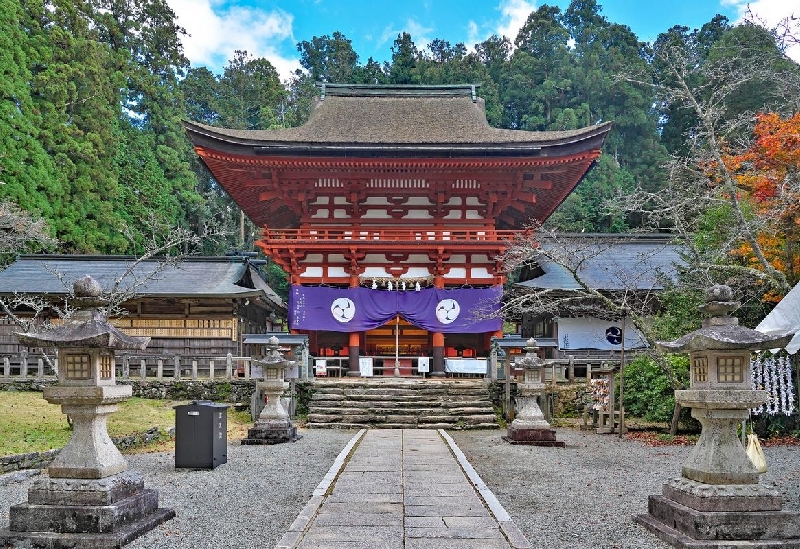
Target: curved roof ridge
(390,119)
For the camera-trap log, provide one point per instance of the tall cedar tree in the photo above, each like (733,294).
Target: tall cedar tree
(74,86)
(26,170)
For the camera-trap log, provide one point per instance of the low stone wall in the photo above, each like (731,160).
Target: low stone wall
(40,460)
(26,384)
(33,460)
(235,390)
(570,399)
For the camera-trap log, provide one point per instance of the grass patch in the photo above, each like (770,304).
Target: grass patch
(31,424)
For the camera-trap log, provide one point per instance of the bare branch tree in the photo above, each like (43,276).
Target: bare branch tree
(630,293)
(21,231)
(701,181)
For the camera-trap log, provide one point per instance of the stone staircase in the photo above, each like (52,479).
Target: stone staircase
(401,404)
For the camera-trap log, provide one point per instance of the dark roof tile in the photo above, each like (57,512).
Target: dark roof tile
(196,276)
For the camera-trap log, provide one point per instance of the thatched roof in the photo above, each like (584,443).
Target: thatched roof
(396,117)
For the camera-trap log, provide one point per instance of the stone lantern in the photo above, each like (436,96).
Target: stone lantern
(718,496)
(529,426)
(273,425)
(88,498)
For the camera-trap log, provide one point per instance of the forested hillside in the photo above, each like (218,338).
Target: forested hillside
(94,94)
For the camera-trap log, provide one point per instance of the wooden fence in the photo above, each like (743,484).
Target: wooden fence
(143,367)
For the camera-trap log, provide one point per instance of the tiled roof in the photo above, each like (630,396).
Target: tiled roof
(195,276)
(612,262)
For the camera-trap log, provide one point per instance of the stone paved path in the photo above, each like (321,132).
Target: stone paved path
(402,489)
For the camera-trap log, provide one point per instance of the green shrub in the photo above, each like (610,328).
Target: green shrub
(648,392)
(779,425)
(304,390)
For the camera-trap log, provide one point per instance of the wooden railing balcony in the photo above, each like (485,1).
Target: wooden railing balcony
(389,235)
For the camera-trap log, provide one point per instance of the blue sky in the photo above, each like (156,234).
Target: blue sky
(272,29)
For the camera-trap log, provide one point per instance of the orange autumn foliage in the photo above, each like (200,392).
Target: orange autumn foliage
(768,176)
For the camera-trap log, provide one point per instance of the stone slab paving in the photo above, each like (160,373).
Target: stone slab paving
(404,489)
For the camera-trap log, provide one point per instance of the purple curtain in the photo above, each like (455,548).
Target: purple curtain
(360,309)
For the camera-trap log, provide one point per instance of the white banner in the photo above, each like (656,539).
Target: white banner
(365,366)
(465,365)
(594,333)
(423,364)
(320,367)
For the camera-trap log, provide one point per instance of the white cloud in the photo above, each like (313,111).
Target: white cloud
(420,34)
(473,35)
(770,14)
(215,32)
(514,14)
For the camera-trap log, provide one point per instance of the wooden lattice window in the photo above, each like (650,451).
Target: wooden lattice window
(729,370)
(105,367)
(77,367)
(700,369)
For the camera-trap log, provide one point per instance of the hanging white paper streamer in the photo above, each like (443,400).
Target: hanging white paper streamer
(773,375)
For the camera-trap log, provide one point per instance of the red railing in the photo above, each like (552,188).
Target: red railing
(390,235)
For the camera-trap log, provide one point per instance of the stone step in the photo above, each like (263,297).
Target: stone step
(387,403)
(381,419)
(399,404)
(323,387)
(447,426)
(395,407)
(366,395)
(373,397)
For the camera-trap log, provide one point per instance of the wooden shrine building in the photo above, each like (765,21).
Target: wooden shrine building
(388,210)
(197,308)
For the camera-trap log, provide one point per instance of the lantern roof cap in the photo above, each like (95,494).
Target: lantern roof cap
(722,332)
(88,328)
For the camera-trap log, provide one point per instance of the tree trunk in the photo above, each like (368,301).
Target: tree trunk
(676,414)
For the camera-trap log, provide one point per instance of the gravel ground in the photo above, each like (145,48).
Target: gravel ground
(581,496)
(584,495)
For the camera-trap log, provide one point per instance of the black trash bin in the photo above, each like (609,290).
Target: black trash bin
(201,435)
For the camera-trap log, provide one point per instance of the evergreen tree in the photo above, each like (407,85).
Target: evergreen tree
(403,69)
(146,44)
(540,75)
(26,170)
(74,86)
(329,58)
(250,94)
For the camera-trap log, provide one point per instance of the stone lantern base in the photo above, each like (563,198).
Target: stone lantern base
(533,437)
(695,514)
(65,513)
(271,431)
(273,425)
(530,427)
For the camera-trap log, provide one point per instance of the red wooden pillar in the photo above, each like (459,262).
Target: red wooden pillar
(353,347)
(437,369)
(353,337)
